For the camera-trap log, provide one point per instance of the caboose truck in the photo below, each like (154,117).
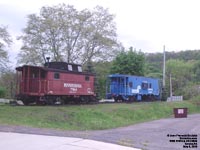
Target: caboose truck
(132,88)
(55,83)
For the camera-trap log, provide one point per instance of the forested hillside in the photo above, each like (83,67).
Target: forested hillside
(184,67)
(182,55)
(154,61)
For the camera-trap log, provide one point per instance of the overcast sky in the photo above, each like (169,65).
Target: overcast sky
(143,24)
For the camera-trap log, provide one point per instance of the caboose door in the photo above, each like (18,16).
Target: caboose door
(37,84)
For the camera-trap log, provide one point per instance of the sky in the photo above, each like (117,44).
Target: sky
(143,24)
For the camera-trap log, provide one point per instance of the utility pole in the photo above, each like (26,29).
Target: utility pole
(164,66)
(163,85)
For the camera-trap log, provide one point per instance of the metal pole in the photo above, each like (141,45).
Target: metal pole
(164,66)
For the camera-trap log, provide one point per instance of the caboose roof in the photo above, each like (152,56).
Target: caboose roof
(124,75)
(20,68)
(53,70)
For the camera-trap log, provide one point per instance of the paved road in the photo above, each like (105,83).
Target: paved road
(18,141)
(154,135)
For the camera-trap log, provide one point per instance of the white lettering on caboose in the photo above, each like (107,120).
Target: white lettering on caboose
(72,85)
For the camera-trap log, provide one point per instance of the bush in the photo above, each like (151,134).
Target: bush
(190,91)
(2,92)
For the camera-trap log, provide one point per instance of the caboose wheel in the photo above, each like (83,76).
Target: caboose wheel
(59,101)
(130,99)
(77,101)
(116,100)
(25,101)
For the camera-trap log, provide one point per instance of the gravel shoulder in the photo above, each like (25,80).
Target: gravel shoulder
(154,135)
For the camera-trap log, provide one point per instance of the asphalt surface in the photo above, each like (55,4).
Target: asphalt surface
(164,134)
(18,141)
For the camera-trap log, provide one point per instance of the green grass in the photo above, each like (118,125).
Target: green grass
(90,117)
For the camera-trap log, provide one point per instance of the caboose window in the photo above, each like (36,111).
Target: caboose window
(56,75)
(79,69)
(70,67)
(150,86)
(33,75)
(43,74)
(130,84)
(144,85)
(87,78)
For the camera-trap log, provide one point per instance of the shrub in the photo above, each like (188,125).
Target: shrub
(2,92)
(190,91)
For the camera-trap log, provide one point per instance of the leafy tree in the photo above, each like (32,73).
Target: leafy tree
(102,71)
(181,73)
(152,71)
(66,34)
(5,42)
(190,91)
(196,70)
(2,92)
(129,62)
(8,83)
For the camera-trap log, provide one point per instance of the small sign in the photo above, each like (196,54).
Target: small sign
(180,111)
(72,85)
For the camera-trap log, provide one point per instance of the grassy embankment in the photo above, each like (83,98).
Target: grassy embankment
(91,117)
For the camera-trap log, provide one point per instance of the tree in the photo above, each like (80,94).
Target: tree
(130,62)
(66,34)
(102,71)
(5,42)
(8,84)
(181,73)
(2,92)
(196,70)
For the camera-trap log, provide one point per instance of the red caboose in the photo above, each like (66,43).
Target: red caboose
(57,82)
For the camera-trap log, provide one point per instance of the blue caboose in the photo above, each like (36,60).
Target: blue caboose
(132,88)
